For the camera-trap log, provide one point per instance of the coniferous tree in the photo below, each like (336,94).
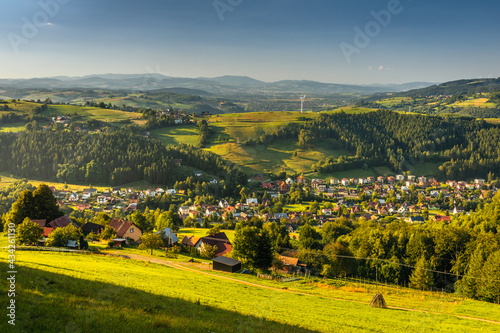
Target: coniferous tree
(421,278)
(470,284)
(489,288)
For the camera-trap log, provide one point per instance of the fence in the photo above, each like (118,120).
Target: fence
(49,249)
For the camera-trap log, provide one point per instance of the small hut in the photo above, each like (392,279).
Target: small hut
(226,264)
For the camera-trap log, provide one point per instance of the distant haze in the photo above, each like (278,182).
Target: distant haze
(222,85)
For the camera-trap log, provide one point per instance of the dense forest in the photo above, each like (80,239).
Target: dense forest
(114,157)
(463,256)
(464,147)
(455,88)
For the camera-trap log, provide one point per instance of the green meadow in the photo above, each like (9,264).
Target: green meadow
(230,131)
(12,127)
(76,113)
(78,293)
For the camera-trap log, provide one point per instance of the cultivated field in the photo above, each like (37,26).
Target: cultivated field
(76,113)
(230,131)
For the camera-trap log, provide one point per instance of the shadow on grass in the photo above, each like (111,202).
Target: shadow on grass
(50,302)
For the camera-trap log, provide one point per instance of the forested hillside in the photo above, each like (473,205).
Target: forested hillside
(114,157)
(464,147)
(462,256)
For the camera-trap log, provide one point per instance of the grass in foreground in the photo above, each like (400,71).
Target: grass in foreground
(64,292)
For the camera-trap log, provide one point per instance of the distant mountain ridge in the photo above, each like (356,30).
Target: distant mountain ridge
(221,85)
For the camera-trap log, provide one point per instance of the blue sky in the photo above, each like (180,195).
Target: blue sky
(269,40)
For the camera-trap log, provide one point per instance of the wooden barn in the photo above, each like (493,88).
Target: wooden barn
(226,264)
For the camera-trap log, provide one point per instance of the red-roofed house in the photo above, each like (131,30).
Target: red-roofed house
(61,222)
(126,229)
(47,231)
(40,223)
(220,241)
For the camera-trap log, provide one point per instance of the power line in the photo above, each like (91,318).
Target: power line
(409,266)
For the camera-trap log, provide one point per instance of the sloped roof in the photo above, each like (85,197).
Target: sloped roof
(121,226)
(47,231)
(169,234)
(190,241)
(72,243)
(220,235)
(227,261)
(92,227)
(41,223)
(220,241)
(62,222)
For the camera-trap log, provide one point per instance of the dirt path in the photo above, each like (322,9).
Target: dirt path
(184,268)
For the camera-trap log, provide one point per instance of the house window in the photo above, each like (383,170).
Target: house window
(131,230)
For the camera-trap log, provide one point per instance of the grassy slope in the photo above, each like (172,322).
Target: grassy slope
(60,292)
(6,180)
(274,157)
(80,113)
(201,232)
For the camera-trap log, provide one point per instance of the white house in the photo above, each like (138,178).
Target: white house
(252,201)
(184,210)
(327,211)
(73,197)
(102,200)
(334,181)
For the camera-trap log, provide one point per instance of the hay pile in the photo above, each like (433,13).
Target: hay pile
(378,301)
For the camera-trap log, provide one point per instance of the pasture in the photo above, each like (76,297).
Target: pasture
(72,292)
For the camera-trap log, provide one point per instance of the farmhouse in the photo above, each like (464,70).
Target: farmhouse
(220,241)
(190,241)
(88,192)
(40,223)
(73,197)
(126,229)
(61,222)
(89,227)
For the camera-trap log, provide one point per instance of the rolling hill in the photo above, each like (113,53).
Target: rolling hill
(74,292)
(223,85)
(475,98)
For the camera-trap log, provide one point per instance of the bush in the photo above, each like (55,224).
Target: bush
(60,236)
(111,243)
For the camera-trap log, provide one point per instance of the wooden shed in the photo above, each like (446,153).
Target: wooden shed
(226,264)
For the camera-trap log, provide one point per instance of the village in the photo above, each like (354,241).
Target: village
(412,199)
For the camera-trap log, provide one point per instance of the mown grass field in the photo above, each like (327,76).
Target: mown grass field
(230,131)
(201,232)
(187,134)
(6,180)
(12,127)
(78,293)
(390,102)
(477,102)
